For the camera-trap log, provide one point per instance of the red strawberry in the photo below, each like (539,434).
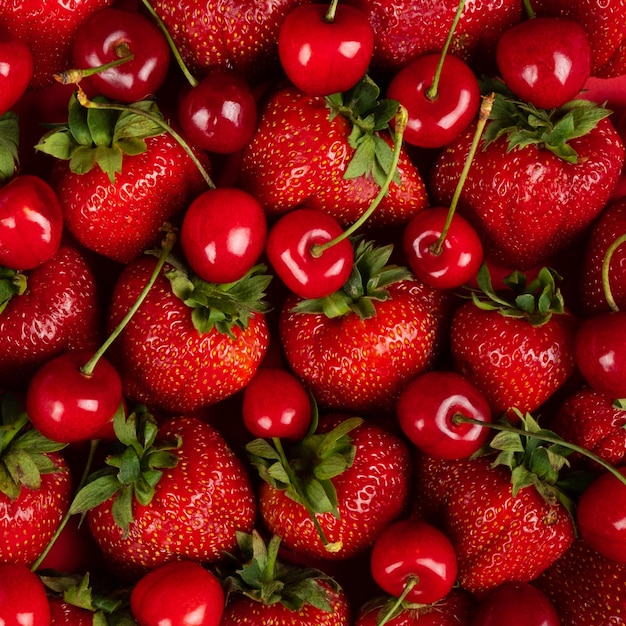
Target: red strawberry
(63,613)
(356,349)
(177,491)
(191,343)
(124,177)
(541,179)
(35,487)
(586,588)
(331,494)
(48,310)
(508,521)
(516,346)
(322,152)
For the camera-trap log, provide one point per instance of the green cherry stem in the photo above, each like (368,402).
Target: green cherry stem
(483,116)
(606,262)
(332,10)
(159,121)
(432,93)
(401,121)
(75,75)
(529,9)
(410,583)
(461,419)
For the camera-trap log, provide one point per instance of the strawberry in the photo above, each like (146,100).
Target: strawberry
(357,348)
(175,491)
(262,589)
(35,486)
(586,588)
(507,518)
(191,343)
(540,180)
(516,345)
(331,494)
(119,177)
(46,311)
(329,154)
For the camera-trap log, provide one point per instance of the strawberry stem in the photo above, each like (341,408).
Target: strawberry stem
(410,583)
(606,262)
(75,75)
(332,10)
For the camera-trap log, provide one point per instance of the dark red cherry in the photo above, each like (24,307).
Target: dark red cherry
(16,70)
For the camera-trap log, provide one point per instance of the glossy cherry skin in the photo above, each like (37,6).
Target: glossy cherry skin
(545,60)
(289,250)
(16,70)
(219,114)
(276,404)
(516,604)
(460,257)
(600,351)
(22,597)
(435,122)
(31,222)
(323,57)
(426,408)
(109,34)
(601,516)
(181,593)
(414,548)
(65,405)
(223,233)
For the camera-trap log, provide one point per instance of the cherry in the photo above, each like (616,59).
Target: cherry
(325,51)
(223,234)
(112,35)
(276,404)
(31,222)
(219,114)
(426,410)
(544,60)
(23,597)
(16,70)
(601,516)
(292,251)
(414,561)
(516,604)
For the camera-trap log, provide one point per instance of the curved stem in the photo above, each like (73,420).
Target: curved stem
(332,10)
(74,76)
(410,583)
(606,262)
(432,93)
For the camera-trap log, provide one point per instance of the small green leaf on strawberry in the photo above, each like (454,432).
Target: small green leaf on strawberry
(12,283)
(9,143)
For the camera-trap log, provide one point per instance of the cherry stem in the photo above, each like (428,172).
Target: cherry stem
(332,10)
(63,523)
(410,583)
(159,121)
(606,262)
(458,418)
(432,93)
(401,121)
(483,116)
(166,248)
(193,81)
(74,76)
(529,9)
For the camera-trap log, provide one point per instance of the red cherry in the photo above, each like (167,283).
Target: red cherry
(223,234)
(426,409)
(436,119)
(23,597)
(219,114)
(31,223)
(276,404)
(601,516)
(66,405)
(325,51)
(450,264)
(110,34)
(16,70)
(291,251)
(412,552)
(544,60)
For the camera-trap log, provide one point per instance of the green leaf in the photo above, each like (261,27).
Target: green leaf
(59,143)
(95,493)
(77,122)
(130,467)
(109,160)
(362,162)
(101,123)
(9,144)
(22,469)
(331,467)
(82,160)
(122,508)
(317,496)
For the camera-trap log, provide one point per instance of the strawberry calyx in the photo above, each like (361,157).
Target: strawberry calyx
(260,575)
(101,136)
(24,451)
(371,275)
(523,124)
(134,468)
(9,144)
(389,608)
(368,115)
(12,283)
(535,301)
